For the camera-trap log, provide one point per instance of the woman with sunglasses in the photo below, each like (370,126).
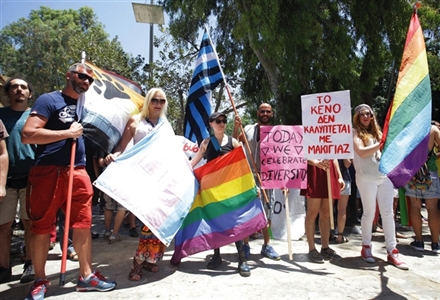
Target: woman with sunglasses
(211,148)
(150,249)
(373,185)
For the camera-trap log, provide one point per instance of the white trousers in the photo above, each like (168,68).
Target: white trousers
(382,190)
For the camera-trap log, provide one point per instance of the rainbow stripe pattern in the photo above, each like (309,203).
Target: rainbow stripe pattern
(408,121)
(225,210)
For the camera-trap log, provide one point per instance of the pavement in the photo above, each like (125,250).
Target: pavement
(347,278)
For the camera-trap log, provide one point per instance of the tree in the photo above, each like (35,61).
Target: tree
(44,45)
(283,49)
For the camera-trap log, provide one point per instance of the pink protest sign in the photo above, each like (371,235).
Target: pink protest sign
(281,157)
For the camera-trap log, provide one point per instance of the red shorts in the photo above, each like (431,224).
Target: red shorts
(47,192)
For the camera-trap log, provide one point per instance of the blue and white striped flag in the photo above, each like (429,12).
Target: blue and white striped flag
(207,76)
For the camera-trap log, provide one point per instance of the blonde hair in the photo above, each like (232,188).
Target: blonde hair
(364,133)
(145,113)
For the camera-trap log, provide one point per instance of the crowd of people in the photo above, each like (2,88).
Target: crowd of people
(38,144)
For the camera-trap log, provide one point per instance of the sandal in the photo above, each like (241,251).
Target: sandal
(343,239)
(114,238)
(73,256)
(150,267)
(135,272)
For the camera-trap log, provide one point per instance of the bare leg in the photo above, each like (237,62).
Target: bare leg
(313,205)
(5,242)
(416,206)
(27,237)
(39,248)
(433,218)
(82,242)
(342,216)
(324,222)
(119,218)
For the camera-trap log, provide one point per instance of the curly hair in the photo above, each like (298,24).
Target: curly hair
(364,133)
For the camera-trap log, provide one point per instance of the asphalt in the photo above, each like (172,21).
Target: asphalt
(347,278)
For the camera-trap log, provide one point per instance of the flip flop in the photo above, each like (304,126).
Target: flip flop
(73,256)
(344,239)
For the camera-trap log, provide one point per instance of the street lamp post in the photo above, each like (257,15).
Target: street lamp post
(152,14)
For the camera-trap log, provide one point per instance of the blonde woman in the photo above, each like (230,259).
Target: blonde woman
(150,249)
(372,185)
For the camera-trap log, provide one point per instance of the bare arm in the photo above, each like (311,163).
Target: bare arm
(200,153)
(4,165)
(364,151)
(235,143)
(347,163)
(237,125)
(35,133)
(338,171)
(127,135)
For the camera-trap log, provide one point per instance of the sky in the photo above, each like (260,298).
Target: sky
(117,16)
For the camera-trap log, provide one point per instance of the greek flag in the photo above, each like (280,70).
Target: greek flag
(207,76)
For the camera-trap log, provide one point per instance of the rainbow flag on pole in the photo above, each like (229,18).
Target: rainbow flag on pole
(225,210)
(408,121)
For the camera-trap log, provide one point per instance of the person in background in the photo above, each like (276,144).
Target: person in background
(53,124)
(344,165)
(431,194)
(252,135)
(372,185)
(5,267)
(21,159)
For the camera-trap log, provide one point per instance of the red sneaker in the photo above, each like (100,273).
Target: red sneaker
(366,254)
(393,258)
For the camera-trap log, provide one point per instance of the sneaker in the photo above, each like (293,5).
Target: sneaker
(133,232)
(394,259)
(315,257)
(5,274)
(243,267)
(329,254)
(28,274)
(356,230)
(435,248)
(38,290)
(114,238)
(95,282)
(366,254)
(418,245)
(269,252)
(215,262)
(247,251)
(107,235)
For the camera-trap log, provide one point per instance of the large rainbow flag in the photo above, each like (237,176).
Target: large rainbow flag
(408,121)
(225,210)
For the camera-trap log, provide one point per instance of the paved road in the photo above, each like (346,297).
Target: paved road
(348,278)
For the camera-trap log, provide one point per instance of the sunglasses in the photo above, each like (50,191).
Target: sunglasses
(156,101)
(83,76)
(367,114)
(224,121)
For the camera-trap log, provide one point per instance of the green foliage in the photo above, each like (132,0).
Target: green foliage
(43,46)
(281,49)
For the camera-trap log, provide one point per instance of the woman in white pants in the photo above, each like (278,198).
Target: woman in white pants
(373,185)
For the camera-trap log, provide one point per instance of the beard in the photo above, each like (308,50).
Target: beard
(264,120)
(76,87)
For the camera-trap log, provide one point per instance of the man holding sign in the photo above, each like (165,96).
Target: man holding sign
(252,135)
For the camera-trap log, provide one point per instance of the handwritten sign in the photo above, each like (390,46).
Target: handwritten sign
(281,157)
(326,119)
(190,148)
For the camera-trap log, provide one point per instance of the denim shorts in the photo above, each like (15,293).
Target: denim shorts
(432,192)
(347,188)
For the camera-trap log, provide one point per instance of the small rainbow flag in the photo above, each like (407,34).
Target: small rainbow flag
(225,210)
(408,121)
